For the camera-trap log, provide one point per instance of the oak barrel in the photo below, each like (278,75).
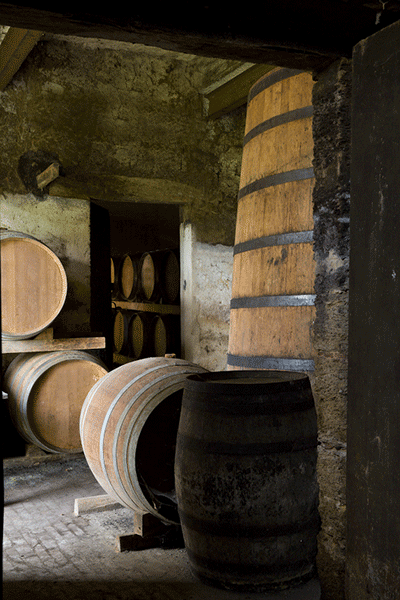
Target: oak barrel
(159,276)
(165,329)
(128,276)
(149,268)
(114,264)
(33,285)
(140,338)
(272,306)
(128,428)
(46,392)
(121,331)
(170,277)
(245,478)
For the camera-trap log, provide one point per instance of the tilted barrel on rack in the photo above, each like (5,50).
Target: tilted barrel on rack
(46,391)
(245,478)
(272,307)
(128,428)
(33,285)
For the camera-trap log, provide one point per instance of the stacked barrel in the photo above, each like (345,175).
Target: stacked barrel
(150,279)
(45,390)
(146,277)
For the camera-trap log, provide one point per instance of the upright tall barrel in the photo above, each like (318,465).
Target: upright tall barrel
(245,478)
(272,307)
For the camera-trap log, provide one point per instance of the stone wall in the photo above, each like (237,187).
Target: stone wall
(331,130)
(127,124)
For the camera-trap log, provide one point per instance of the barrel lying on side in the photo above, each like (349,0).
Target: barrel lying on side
(46,391)
(33,286)
(128,428)
(245,478)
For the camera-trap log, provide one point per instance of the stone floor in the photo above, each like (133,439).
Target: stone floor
(51,554)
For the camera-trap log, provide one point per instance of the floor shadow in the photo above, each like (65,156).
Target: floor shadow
(143,590)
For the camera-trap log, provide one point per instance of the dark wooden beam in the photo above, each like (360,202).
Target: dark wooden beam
(305,34)
(373,475)
(14,48)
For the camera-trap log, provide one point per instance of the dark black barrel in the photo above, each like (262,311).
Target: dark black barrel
(245,478)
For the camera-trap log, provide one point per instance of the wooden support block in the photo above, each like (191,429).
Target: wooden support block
(145,523)
(166,536)
(95,504)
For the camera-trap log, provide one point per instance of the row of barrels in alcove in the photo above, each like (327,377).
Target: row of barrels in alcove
(146,277)
(140,334)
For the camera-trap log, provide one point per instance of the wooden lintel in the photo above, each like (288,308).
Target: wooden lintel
(14,49)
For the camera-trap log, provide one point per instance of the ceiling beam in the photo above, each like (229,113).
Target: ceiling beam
(231,92)
(304,34)
(15,47)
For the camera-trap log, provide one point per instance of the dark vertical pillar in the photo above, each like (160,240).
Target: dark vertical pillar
(373,468)
(100,278)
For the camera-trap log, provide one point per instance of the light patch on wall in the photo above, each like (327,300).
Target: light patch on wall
(54,88)
(334,262)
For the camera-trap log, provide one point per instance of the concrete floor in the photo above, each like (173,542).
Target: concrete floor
(49,553)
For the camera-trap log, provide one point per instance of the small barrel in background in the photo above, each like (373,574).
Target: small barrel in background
(33,285)
(140,335)
(245,479)
(149,268)
(121,331)
(114,263)
(170,277)
(129,277)
(128,428)
(46,392)
(166,334)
